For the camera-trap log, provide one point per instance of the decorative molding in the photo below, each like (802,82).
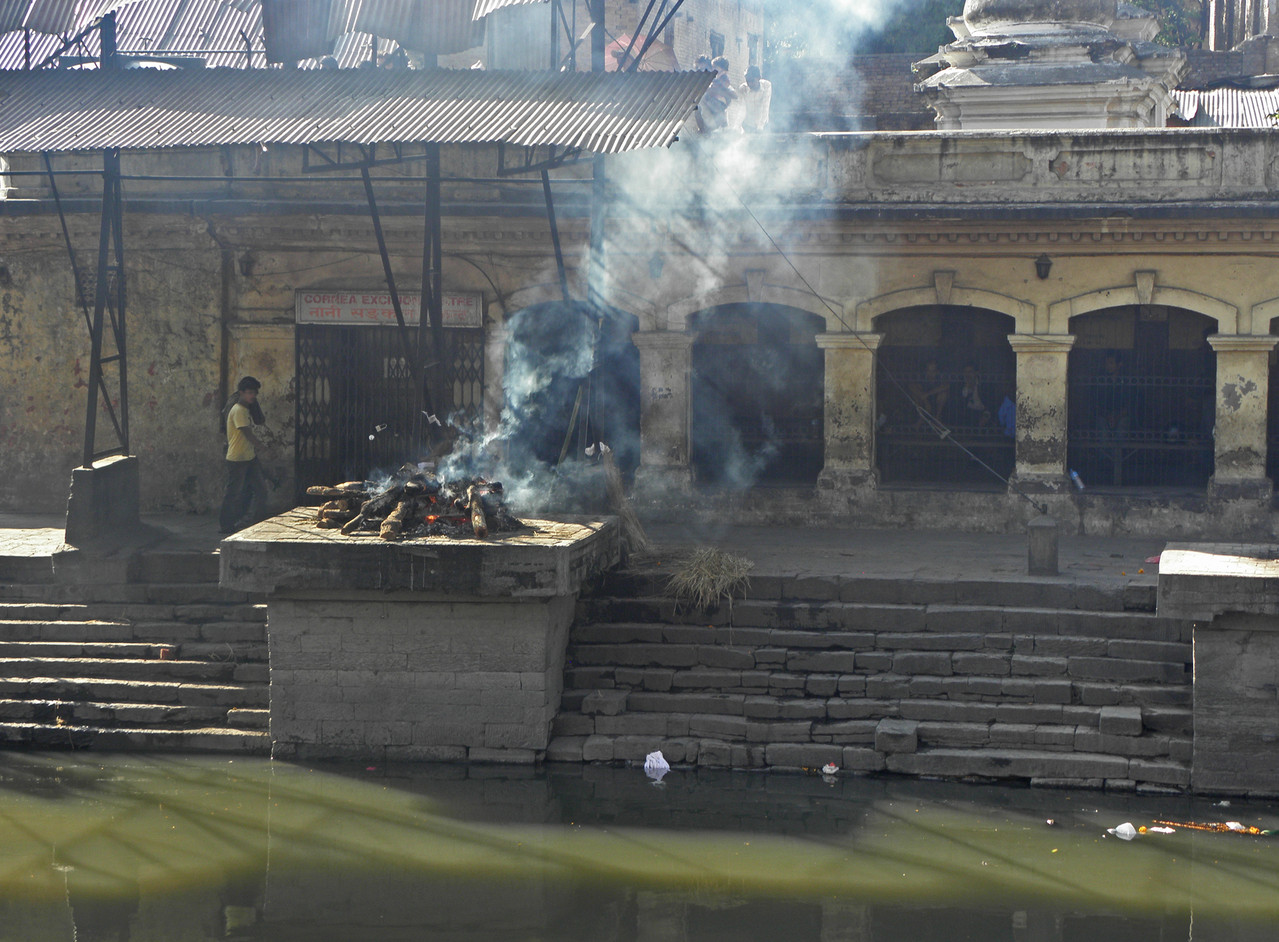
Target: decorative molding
(1224,313)
(943,282)
(1226,343)
(1145,286)
(1022,312)
(754,284)
(1041,343)
(850,341)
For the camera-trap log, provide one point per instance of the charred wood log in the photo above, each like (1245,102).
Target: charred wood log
(475,500)
(406,510)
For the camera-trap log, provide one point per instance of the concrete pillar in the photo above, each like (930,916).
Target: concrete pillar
(849,409)
(1041,409)
(666,359)
(1243,370)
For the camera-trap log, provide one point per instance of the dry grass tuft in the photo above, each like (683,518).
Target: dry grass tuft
(709,576)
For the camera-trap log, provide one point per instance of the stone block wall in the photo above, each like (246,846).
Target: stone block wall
(394,677)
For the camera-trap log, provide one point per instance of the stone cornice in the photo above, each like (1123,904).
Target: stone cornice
(1041,343)
(1226,343)
(850,341)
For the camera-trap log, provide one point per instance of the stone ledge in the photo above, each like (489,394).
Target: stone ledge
(288,553)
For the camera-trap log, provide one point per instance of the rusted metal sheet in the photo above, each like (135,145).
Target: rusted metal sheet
(604,113)
(1228,107)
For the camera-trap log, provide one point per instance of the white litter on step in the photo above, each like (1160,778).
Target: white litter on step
(655,765)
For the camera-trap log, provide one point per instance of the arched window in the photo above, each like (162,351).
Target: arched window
(571,379)
(757,396)
(946,376)
(1141,407)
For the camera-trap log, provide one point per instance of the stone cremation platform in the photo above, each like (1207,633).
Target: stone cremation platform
(431,648)
(1232,593)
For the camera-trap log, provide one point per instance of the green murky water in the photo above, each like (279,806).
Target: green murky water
(177,849)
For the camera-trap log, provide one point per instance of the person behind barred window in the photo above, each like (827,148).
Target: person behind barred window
(975,411)
(1007,414)
(245,483)
(756,94)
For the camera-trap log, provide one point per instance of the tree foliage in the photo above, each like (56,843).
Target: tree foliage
(1180,21)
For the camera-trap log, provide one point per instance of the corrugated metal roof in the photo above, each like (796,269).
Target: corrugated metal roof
(210,29)
(603,113)
(1228,107)
(484,7)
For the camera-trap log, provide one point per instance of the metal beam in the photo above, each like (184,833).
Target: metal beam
(412,353)
(433,286)
(108,307)
(555,235)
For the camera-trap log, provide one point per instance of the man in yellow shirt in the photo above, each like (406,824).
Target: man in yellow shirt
(245,483)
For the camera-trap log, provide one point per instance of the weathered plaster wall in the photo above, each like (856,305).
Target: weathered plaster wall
(174,284)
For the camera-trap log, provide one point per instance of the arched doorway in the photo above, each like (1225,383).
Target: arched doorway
(571,379)
(1141,407)
(956,365)
(757,396)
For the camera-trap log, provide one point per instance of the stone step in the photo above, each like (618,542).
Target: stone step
(42,611)
(244,718)
(176,567)
(223,634)
(1036,766)
(84,649)
(1059,593)
(1041,766)
(1165,714)
(116,668)
(108,689)
(35,570)
(241,655)
(749,618)
(84,712)
(207,739)
(127,593)
(1083,685)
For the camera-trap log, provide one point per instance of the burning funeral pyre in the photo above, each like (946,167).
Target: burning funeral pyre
(415,503)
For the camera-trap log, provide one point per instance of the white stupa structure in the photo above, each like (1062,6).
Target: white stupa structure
(1051,64)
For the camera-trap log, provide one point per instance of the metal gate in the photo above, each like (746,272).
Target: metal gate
(356,403)
(1142,408)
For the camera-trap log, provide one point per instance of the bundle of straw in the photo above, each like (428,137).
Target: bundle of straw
(709,576)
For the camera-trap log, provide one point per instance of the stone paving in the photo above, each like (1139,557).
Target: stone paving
(820,551)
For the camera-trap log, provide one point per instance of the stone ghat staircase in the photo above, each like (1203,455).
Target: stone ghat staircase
(1045,681)
(138,653)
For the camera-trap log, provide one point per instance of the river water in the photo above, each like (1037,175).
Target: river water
(189,849)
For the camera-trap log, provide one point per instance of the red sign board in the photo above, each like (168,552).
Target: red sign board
(347,308)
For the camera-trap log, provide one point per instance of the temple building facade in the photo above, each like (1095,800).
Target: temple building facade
(952,328)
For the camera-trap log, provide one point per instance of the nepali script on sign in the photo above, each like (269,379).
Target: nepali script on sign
(347,308)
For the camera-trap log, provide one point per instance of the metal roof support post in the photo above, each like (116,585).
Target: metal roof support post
(595,269)
(104,305)
(555,234)
(105,500)
(433,286)
(411,355)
